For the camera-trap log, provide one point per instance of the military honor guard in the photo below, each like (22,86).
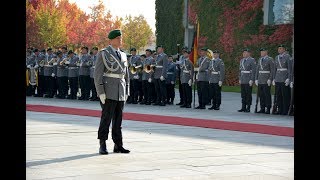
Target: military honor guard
(62,76)
(111,78)
(147,83)
(216,77)
(48,71)
(178,74)
(203,79)
(247,70)
(84,73)
(32,73)
(263,79)
(93,90)
(170,80)
(73,63)
(160,75)
(186,77)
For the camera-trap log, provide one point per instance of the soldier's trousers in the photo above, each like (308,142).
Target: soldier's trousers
(215,94)
(203,92)
(137,88)
(73,83)
(283,97)
(50,84)
(62,86)
(264,95)
(41,88)
(187,94)
(153,91)
(246,94)
(170,92)
(93,88)
(30,90)
(161,90)
(84,81)
(130,98)
(111,110)
(146,88)
(180,90)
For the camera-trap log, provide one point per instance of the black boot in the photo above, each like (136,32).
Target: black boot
(243,108)
(212,107)
(217,107)
(120,149)
(262,110)
(103,147)
(248,108)
(268,111)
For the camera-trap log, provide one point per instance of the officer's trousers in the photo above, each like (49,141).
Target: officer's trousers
(161,90)
(264,95)
(187,94)
(203,93)
(111,110)
(283,97)
(246,94)
(215,94)
(73,82)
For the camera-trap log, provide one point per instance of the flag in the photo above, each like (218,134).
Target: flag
(194,53)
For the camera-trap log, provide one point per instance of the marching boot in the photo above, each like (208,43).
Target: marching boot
(120,149)
(212,107)
(248,108)
(262,110)
(217,107)
(268,111)
(243,108)
(103,147)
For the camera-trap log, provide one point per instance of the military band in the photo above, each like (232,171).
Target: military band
(160,75)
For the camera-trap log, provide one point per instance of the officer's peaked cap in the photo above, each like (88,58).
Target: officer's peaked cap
(114,33)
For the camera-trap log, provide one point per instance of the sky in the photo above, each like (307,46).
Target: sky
(121,8)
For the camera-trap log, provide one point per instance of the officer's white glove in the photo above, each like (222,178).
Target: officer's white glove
(287,82)
(67,62)
(102,98)
(239,81)
(291,85)
(269,82)
(189,82)
(161,78)
(172,82)
(149,80)
(36,66)
(220,83)
(256,82)
(250,83)
(29,66)
(136,77)
(53,75)
(55,63)
(273,83)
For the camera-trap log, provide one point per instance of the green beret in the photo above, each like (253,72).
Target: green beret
(205,48)
(216,51)
(114,33)
(246,49)
(263,49)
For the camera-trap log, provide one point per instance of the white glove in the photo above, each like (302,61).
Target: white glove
(189,82)
(269,82)
(149,80)
(172,82)
(55,63)
(29,66)
(291,85)
(287,82)
(220,83)
(273,83)
(161,78)
(239,81)
(136,77)
(78,64)
(102,98)
(256,82)
(36,66)
(67,62)
(250,83)
(134,65)
(53,75)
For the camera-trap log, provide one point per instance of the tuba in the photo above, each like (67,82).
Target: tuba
(33,77)
(149,68)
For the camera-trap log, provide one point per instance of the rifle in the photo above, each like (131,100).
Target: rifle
(257,100)
(291,108)
(275,106)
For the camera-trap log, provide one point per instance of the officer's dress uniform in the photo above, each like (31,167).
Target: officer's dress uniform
(216,73)
(93,90)
(30,65)
(48,79)
(73,75)
(247,72)
(160,85)
(137,80)
(84,76)
(283,67)
(178,75)
(146,85)
(62,78)
(264,74)
(111,77)
(41,88)
(186,77)
(170,82)
(203,82)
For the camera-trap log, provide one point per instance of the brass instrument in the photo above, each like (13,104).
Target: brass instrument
(32,76)
(149,68)
(135,69)
(52,60)
(210,54)
(41,63)
(63,61)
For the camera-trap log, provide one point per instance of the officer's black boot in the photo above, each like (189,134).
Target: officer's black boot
(217,107)
(103,147)
(262,110)
(248,108)
(243,109)
(268,111)
(119,149)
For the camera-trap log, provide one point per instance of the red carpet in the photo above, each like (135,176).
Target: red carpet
(213,124)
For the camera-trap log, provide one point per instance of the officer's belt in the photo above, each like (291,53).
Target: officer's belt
(282,69)
(264,71)
(159,66)
(73,68)
(113,75)
(245,71)
(215,72)
(169,72)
